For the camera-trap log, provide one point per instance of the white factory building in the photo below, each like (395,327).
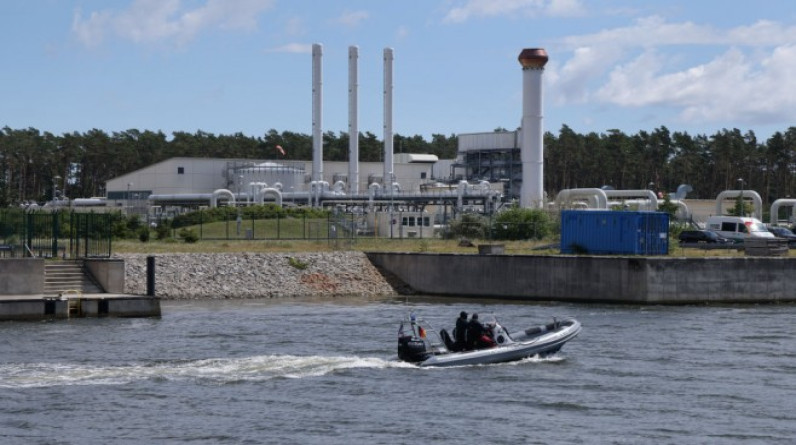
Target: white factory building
(186,181)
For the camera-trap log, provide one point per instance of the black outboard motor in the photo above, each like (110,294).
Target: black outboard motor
(411,349)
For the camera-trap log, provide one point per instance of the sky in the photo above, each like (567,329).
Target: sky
(229,66)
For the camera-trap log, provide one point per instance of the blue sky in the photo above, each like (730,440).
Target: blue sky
(227,66)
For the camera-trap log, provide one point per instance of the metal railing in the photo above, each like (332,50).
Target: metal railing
(54,234)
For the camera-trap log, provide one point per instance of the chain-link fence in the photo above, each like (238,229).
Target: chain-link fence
(341,225)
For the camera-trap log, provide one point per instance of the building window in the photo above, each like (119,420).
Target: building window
(422,175)
(180,170)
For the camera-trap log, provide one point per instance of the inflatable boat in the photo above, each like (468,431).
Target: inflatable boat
(418,343)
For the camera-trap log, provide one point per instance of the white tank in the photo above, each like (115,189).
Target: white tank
(291,177)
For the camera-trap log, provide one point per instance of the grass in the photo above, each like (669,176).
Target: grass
(373,245)
(285,228)
(294,233)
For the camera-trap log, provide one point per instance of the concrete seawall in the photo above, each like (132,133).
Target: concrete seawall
(656,280)
(21,276)
(631,279)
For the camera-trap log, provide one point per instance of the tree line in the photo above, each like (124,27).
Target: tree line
(35,164)
(662,160)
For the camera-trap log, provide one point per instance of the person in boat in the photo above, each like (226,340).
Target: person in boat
(477,335)
(460,333)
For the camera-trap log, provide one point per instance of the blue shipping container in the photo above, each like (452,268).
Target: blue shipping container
(609,232)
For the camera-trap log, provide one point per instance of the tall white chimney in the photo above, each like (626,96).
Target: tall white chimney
(533,61)
(317,127)
(353,124)
(388,150)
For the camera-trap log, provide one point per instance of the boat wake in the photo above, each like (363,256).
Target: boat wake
(208,371)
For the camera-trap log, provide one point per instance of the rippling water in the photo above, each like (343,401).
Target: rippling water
(304,372)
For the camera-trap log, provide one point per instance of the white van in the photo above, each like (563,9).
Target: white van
(737,228)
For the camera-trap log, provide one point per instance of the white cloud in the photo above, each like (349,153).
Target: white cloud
(149,21)
(564,8)
(402,32)
(495,8)
(743,78)
(352,18)
(294,27)
(296,48)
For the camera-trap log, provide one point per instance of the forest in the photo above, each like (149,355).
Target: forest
(34,163)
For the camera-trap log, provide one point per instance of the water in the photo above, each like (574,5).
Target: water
(315,372)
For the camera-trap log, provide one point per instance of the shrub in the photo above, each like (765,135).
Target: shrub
(143,234)
(519,224)
(163,230)
(468,225)
(188,235)
(298,264)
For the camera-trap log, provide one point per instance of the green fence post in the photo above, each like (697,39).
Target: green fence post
(54,235)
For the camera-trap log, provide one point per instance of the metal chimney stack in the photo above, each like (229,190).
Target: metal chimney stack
(533,61)
(388,178)
(317,127)
(353,124)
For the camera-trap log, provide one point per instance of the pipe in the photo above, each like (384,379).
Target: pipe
(311,193)
(653,200)
(373,189)
(181,197)
(388,136)
(353,123)
(317,115)
(682,208)
(682,190)
(460,191)
(484,186)
(599,196)
(320,187)
(756,200)
(77,202)
(219,193)
(260,197)
(780,203)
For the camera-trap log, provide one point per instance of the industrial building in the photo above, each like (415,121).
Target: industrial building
(192,181)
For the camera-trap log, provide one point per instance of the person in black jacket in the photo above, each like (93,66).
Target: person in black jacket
(474,332)
(460,333)
(478,336)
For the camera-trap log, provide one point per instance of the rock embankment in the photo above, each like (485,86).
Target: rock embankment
(256,275)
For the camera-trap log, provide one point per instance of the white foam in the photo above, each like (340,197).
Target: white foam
(214,370)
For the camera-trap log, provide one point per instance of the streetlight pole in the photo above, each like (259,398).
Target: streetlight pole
(742,209)
(127,198)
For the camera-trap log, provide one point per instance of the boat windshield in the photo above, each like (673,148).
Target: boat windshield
(488,319)
(419,328)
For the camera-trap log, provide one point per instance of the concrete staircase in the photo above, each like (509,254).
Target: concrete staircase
(61,276)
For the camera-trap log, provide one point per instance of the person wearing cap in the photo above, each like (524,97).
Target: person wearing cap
(460,332)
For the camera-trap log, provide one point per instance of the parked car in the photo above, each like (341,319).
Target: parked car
(783,232)
(738,228)
(702,236)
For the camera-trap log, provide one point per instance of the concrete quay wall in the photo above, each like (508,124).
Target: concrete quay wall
(640,280)
(21,276)
(109,273)
(95,305)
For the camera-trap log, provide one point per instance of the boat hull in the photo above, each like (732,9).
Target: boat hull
(544,344)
